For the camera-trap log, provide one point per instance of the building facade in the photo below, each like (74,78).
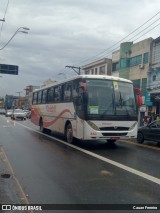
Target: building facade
(153,86)
(28,96)
(1,102)
(99,67)
(132,62)
(138,62)
(13,102)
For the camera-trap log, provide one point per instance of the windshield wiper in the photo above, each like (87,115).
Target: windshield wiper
(120,99)
(121,104)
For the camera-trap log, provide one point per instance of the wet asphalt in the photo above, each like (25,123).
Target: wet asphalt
(7,190)
(52,172)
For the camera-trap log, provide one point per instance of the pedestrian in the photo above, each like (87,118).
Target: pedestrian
(145,121)
(158,120)
(149,118)
(153,116)
(157,116)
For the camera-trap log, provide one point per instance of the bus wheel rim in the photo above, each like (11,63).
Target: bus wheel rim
(69,134)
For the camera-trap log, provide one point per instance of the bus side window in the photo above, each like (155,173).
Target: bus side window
(39,97)
(34,101)
(44,96)
(50,98)
(67,92)
(75,89)
(57,93)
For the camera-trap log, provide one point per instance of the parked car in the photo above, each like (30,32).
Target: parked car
(2,111)
(9,112)
(150,132)
(18,114)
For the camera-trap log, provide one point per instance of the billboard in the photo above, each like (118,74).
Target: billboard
(8,69)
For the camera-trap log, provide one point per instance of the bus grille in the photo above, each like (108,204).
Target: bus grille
(112,128)
(114,134)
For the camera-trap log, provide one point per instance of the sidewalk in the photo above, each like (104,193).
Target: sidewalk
(8,192)
(11,192)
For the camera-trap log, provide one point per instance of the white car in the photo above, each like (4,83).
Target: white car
(18,114)
(2,111)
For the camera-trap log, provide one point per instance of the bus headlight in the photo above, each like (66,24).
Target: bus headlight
(132,127)
(91,124)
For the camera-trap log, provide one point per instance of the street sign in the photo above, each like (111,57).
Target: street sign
(8,69)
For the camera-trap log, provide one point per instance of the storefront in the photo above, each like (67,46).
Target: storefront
(155,98)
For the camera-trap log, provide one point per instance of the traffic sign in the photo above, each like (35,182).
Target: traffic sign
(8,69)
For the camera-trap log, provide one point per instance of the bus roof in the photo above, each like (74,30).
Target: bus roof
(108,77)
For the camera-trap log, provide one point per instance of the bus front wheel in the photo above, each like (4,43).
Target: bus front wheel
(110,141)
(69,133)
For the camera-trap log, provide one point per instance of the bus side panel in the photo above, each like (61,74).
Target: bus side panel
(56,115)
(78,131)
(35,115)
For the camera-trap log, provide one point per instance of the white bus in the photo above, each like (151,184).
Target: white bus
(87,107)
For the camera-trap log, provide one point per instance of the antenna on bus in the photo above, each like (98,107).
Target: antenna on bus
(73,68)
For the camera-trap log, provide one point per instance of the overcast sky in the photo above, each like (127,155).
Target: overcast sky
(66,32)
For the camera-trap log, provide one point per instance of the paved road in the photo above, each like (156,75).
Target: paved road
(49,171)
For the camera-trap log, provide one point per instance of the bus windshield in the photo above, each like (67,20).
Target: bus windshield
(108,97)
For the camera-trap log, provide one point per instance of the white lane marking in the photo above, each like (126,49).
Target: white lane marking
(114,163)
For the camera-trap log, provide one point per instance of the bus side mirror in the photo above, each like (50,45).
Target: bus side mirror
(138,96)
(83,86)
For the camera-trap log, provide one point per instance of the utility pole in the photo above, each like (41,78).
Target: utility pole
(73,67)
(19,99)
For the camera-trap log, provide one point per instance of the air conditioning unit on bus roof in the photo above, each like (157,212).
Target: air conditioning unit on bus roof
(141,66)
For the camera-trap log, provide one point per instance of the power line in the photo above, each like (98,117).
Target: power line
(145,28)
(135,39)
(107,54)
(147,31)
(101,53)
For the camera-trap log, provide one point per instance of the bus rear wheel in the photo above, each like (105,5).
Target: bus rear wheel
(69,133)
(42,129)
(41,126)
